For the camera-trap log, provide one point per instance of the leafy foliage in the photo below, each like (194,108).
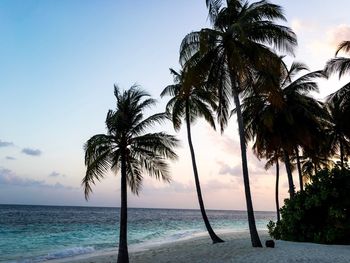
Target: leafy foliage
(125,137)
(319,214)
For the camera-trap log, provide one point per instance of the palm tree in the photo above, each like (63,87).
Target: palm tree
(338,103)
(191,102)
(127,149)
(283,127)
(239,42)
(274,160)
(338,137)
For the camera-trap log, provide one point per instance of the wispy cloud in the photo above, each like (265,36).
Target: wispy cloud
(10,158)
(303,26)
(5,144)
(231,170)
(9,178)
(56,174)
(216,185)
(338,34)
(32,152)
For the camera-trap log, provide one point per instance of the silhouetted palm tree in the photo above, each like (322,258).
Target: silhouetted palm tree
(190,102)
(284,126)
(127,149)
(337,135)
(338,103)
(274,160)
(239,43)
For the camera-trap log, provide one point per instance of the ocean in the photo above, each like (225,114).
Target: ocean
(38,233)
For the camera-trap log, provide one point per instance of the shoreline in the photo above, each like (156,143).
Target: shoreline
(236,248)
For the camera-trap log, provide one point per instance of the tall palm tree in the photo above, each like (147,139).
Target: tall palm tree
(239,42)
(338,103)
(126,149)
(190,102)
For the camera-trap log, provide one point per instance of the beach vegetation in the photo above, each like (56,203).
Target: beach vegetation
(321,213)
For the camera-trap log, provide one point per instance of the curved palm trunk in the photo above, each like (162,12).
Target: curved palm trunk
(289,174)
(299,169)
(276,192)
(251,219)
(210,230)
(123,255)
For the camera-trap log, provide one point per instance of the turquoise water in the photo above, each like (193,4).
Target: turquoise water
(39,233)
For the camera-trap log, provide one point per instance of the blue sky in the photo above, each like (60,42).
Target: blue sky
(59,61)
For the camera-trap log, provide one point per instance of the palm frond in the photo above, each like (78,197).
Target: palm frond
(98,151)
(160,143)
(340,65)
(141,127)
(343,46)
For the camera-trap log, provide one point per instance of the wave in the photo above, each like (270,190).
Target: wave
(65,253)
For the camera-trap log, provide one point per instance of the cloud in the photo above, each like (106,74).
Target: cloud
(328,40)
(338,34)
(172,187)
(9,178)
(5,144)
(215,185)
(226,169)
(299,25)
(32,152)
(10,158)
(56,174)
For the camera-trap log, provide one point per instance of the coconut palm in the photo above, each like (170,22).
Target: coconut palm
(239,42)
(284,127)
(338,103)
(190,102)
(341,65)
(337,135)
(126,149)
(274,160)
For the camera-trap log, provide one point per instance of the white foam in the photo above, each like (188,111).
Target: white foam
(65,253)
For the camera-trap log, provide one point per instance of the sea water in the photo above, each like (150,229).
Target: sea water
(39,233)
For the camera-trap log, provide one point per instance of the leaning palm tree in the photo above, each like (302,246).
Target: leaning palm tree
(190,102)
(239,42)
(126,149)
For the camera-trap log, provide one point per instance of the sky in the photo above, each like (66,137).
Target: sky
(59,62)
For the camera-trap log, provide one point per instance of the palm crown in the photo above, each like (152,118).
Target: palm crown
(185,92)
(125,139)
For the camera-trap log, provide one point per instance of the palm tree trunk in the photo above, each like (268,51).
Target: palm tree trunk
(341,154)
(210,230)
(276,192)
(289,174)
(251,220)
(315,168)
(123,255)
(299,169)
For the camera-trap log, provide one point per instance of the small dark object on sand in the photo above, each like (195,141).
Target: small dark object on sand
(270,243)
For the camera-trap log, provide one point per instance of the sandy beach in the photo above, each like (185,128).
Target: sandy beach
(237,248)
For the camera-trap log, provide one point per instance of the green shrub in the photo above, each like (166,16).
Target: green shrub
(321,213)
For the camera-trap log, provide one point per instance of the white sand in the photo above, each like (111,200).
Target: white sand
(237,248)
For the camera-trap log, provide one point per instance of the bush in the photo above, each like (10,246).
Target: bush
(321,213)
